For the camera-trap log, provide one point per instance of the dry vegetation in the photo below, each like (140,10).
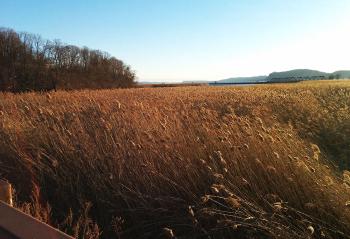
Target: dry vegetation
(195,162)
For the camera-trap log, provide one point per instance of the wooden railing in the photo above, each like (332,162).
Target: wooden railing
(15,224)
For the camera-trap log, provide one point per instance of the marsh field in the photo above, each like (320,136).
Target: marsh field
(266,161)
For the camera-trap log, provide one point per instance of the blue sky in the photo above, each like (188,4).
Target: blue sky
(174,40)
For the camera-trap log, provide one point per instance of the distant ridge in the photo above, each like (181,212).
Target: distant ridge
(289,76)
(306,74)
(238,80)
(342,74)
(296,75)
(274,77)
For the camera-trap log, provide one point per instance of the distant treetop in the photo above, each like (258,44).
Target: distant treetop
(28,62)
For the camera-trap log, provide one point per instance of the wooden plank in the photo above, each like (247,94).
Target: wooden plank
(5,192)
(23,226)
(6,235)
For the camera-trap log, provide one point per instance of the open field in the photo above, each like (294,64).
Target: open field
(192,162)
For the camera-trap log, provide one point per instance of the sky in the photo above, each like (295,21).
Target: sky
(177,40)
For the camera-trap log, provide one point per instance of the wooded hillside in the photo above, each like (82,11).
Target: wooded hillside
(28,62)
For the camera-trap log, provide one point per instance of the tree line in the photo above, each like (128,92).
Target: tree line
(28,62)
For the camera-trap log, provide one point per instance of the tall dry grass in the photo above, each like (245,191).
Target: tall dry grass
(196,162)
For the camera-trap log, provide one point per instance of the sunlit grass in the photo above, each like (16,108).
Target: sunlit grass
(246,162)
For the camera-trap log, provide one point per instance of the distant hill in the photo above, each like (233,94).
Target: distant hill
(296,75)
(342,74)
(289,76)
(274,77)
(306,74)
(238,80)
(233,80)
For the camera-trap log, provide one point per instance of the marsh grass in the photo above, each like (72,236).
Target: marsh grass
(196,162)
